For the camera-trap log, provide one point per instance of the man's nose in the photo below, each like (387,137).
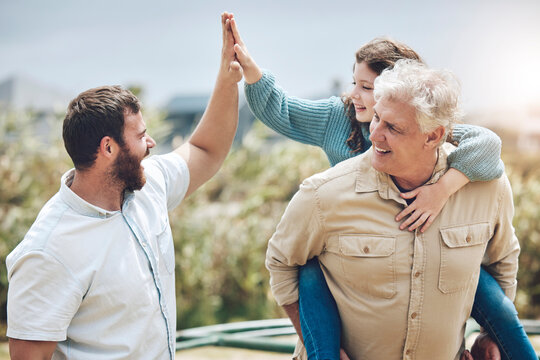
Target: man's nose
(150,142)
(374,133)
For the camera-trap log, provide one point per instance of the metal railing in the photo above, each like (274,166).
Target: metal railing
(255,335)
(261,335)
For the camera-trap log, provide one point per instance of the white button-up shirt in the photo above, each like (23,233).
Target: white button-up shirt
(98,282)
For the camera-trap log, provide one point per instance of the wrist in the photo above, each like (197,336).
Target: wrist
(252,74)
(226,79)
(443,187)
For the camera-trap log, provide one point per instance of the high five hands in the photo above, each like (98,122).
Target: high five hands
(230,67)
(252,73)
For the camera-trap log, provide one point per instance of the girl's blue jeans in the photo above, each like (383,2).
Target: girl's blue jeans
(321,325)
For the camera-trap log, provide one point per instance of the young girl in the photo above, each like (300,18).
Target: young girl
(341,129)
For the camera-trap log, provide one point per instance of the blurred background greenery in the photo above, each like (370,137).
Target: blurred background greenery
(221,231)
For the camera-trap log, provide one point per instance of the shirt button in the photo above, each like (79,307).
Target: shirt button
(468,238)
(414,315)
(408,352)
(417,274)
(366,250)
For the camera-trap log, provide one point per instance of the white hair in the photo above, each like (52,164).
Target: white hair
(433,93)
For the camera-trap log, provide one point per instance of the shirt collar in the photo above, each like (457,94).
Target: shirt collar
(78,204)
(369,180)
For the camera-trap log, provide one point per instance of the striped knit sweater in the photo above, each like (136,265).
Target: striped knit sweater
(324,123)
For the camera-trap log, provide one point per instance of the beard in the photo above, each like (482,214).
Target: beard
(127,170)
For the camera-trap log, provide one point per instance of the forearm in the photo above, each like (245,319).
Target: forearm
(215,132)
(293,313)
(452,181)
(299,119)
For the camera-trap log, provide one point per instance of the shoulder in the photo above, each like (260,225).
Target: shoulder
(47,222)
(491,193)
(167,178)
(342,174)
(158,165)
(160,170)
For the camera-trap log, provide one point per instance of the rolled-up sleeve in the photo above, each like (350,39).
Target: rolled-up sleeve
(501,258)
(299,237)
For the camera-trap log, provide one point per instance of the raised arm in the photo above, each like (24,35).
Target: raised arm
(298,119)
(209,144)
(477,158)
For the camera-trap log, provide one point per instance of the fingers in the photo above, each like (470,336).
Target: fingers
(412,218)
(466,355)
(411,194)
(235,32)
(236,71)
(409,209)
(421,220)
(235,67)
(228,53)
(223,26)
(427,224)
(242,56)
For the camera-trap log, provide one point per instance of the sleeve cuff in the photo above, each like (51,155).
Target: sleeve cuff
(36,336)
(510,291)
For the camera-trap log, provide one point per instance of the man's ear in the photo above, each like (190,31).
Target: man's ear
(434,137)
(108,147)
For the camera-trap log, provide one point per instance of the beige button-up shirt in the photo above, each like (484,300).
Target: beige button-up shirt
(400,294)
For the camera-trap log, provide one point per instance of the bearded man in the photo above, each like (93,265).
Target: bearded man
(94,276)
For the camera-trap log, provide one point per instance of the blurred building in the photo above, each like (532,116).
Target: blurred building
(40,103)
(185,111)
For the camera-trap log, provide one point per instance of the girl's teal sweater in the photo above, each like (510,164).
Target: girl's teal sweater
(324,123)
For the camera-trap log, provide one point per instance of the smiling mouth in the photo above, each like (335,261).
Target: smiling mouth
(381,151)
(359,108)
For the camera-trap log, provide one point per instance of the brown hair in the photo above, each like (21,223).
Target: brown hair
(92,115)
(378,54)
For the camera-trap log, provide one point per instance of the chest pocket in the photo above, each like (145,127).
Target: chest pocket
(368,263)
(166,246)
(462,250)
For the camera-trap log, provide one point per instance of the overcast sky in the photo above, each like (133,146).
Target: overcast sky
(172,47)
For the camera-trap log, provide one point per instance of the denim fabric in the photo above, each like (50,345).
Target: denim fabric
(498,316)
(321,325)
(319,316)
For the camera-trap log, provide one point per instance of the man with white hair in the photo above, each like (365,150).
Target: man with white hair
(400,294)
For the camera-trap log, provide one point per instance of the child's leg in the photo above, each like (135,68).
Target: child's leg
(498,316)
(319,317)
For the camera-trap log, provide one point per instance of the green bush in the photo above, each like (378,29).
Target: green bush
(525,182)
(221,231)
(30,172)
